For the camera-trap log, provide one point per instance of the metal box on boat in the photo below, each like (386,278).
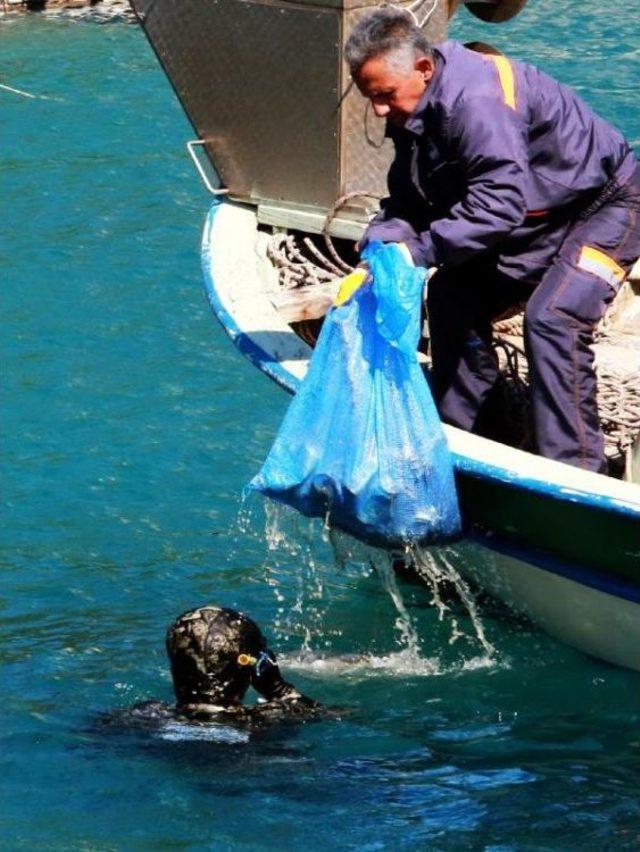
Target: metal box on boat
(265,86)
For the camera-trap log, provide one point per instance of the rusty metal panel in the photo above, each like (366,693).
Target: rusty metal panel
(365,153)
(259,82)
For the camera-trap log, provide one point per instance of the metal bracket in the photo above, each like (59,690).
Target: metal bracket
(205,179)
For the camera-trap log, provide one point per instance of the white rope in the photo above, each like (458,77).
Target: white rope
(18,92)
(295,269)
(422,24)
(415,4)
(412,9)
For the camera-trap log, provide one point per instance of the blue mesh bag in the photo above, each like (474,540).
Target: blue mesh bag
(361,443)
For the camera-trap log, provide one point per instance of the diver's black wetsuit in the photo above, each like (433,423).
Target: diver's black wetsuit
(156,714)
(215,655)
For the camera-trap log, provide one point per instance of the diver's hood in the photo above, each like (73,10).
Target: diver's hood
(212,651)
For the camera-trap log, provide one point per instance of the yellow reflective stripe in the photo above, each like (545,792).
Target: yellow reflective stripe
(598,263)
(507,80)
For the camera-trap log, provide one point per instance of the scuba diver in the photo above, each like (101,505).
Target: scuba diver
(215,655)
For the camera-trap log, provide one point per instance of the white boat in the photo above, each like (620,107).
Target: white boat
(559,544)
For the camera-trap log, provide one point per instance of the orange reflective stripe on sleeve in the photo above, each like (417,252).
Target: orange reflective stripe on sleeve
(507,79)
(598,263)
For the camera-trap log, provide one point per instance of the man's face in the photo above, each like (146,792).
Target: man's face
(393,94)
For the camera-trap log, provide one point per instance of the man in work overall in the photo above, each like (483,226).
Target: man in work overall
(511,188)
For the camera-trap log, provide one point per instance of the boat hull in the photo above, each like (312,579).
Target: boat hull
(565,542)
(603,624)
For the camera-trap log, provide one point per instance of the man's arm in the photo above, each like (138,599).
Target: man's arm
(489,138)
(387,228)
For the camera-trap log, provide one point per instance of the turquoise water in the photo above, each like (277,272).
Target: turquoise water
(131,428)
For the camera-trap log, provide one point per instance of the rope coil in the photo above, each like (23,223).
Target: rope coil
(299,269)
(618,394)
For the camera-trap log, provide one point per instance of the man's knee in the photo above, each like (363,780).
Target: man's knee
(573,305)
(538,315)
(542,325)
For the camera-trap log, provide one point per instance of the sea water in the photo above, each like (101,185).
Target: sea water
(130,426)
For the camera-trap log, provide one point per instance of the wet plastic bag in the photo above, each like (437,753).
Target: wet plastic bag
(361,443)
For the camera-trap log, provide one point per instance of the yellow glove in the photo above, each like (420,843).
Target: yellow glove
(349,284)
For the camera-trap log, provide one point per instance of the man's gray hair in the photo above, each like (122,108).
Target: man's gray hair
(390,32)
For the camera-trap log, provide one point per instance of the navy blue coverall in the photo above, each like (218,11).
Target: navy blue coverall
(508,183)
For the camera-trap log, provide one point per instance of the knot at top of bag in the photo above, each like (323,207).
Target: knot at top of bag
(397,286)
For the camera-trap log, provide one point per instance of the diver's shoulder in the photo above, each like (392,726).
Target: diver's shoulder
(152,710)
(154,715)
(145,714)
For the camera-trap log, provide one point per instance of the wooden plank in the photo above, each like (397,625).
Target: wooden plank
(310,221)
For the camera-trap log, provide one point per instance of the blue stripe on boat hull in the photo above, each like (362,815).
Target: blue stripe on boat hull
(585,576)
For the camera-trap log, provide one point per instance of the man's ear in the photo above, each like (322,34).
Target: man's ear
(426,67)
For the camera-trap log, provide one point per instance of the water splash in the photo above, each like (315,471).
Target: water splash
(302,601)
(365,666)
(435,568)
(182,732)
(289,532)
(408,635)
(396,664)
(409,659)
(246,515)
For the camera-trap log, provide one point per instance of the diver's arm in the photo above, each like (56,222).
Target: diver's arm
(151,710)
(268,681)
